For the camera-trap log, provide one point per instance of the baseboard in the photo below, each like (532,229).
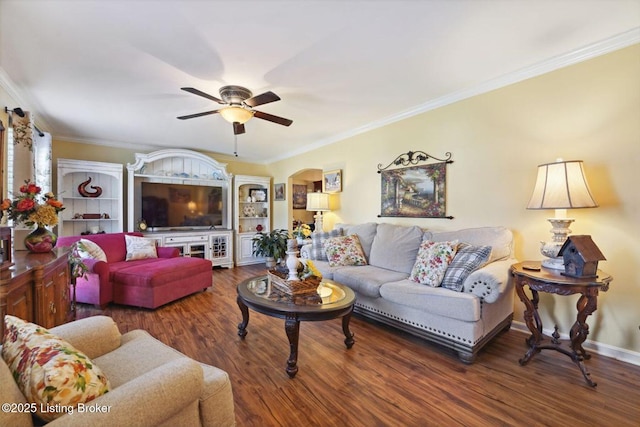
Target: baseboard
(607,350)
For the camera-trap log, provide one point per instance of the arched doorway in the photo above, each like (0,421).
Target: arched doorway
(307,180)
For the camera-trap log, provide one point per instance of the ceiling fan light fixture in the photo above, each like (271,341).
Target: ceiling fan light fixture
(236,114)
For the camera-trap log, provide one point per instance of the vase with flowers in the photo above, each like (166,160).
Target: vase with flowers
(301,232)
(31,208)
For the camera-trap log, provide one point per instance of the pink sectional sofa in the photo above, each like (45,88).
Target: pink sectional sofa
(147,283)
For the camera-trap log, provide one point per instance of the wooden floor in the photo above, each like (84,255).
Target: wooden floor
(387,378)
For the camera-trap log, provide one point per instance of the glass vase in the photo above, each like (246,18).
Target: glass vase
(40,240)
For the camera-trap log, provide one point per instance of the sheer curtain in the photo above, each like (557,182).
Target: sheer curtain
(28,156)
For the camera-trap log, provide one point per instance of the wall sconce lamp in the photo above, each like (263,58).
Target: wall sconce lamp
(318,202)
(560,186)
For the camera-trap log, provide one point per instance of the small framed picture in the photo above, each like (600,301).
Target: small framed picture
(280,191)
(332,181)
(258,194)
(299,196)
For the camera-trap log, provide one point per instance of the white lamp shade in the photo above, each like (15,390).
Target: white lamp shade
(561,185)
(318,202)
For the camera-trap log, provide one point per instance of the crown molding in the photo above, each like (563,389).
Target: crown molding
(12,90)
(7,84)
(576,56)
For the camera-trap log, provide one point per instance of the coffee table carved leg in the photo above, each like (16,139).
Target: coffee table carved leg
(292,327)
(345,328)
(242,326)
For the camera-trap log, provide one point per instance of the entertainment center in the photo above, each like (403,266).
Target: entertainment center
(186,197)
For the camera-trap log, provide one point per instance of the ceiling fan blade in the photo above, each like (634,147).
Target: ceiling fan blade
(270,117)
(202,94)
(263,98)
(191,116)
(238,128)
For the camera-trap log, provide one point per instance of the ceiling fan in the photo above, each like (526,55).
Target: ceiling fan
(239,103)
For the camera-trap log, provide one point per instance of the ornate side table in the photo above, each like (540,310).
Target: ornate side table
(540,279)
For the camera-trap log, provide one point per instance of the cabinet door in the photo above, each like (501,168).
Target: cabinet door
(245,250)
(16,299)
(219,247)
(53,307)
(62,295)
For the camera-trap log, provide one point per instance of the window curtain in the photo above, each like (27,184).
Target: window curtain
(42,161)
(28,158)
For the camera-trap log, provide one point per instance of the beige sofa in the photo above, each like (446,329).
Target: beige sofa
(151,384)
(464,321)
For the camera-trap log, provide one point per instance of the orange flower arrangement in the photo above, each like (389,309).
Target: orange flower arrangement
(29,210)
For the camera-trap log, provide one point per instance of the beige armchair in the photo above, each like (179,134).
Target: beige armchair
(152,384)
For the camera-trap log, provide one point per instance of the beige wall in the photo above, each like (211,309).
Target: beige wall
(589,111)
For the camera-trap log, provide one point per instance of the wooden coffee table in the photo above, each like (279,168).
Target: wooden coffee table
(332,300)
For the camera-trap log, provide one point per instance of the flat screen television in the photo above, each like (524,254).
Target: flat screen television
(181,206)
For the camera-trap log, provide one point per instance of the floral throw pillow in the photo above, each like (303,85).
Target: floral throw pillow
(344,250)
(432,262)
(49,371)
(140,248)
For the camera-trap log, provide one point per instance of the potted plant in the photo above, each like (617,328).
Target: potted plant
(271,245)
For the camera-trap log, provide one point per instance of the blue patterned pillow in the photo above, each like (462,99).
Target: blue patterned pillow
(467,260)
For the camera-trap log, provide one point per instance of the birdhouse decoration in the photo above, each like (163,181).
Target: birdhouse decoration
(580,255)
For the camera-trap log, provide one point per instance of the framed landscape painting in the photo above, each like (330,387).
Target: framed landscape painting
(416,191)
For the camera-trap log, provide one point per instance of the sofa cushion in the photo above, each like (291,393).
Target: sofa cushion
(344,250)
(49,371)
(10,394)
(90,249)
(395,247)
(432,262)
(366,233)
(324,269)
(157,272)
(468,259)
(317,252)
(366,280)
(140,248)
(139,346)
(438,301)
(499,238)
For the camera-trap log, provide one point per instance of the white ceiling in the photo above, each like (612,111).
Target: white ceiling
(110,71)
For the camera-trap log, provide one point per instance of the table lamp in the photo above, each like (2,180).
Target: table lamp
(561,185)
(318,202)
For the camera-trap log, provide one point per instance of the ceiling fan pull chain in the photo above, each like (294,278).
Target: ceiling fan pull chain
(235,145)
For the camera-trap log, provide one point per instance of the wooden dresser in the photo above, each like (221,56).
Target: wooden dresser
(36,288)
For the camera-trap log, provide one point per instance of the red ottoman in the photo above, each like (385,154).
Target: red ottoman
(161,282)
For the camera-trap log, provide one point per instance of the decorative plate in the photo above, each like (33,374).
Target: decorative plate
(249,210)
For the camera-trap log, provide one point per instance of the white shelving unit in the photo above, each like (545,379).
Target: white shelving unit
(252,214)
(106,211)
(178,166)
